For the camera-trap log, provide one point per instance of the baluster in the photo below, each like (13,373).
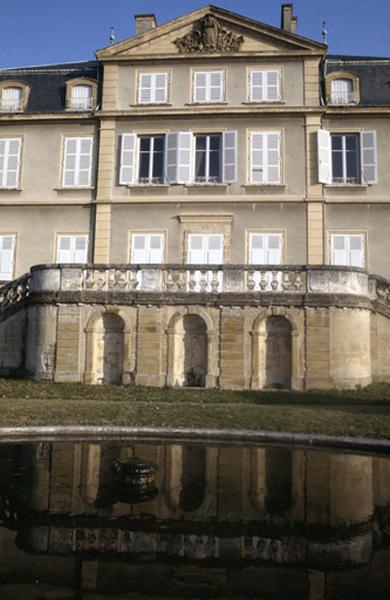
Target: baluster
(101,280)
(203,280)
(120,279)
(298,280)
(169,281)
(263,280)
(250,280)
(286,280)
(110,279)
(214,282)
(274,282)
(133,281)
(89,279)
(192,280)
(181,280)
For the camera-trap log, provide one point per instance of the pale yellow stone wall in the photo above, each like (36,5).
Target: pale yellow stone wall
(380,347)
(68,360)
(12,332)
(102,233)
(317,348)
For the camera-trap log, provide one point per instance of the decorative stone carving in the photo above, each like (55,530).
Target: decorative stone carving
(208,35)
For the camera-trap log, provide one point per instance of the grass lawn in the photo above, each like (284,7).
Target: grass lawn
(362,412)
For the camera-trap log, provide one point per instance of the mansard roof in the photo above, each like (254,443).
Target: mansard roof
(258,38)
(48,82)
(373,73)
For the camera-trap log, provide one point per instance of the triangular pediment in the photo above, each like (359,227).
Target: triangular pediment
(211,31)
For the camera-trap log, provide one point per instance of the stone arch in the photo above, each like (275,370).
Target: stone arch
(108,337)
(275,350)
(191,342)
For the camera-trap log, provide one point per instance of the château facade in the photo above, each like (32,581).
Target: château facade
(207,203)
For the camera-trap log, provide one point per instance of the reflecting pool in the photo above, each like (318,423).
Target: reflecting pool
(94,521)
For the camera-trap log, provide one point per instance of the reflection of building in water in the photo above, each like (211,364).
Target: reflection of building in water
(224,518)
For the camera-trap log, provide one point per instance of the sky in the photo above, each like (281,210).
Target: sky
(50,31)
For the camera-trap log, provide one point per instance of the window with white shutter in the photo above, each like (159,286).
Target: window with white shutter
(229,156)
(11,99)
(208,86)
(153,88)
(7,252)
(342,91)
(265,168)
(206,249)
(10,149)
(128,158)
(81,97)
(347,249)
(147,248)
(77,169)
(72,249)
(265,248)
(264,85)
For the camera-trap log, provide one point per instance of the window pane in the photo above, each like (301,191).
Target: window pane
(215,142)
(200,166)
(158,165)
(215,161)
(201,142)
(158,144)
(144,144)
(336,142)
(144,165)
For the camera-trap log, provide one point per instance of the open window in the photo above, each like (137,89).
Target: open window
(13,96)
(81,94)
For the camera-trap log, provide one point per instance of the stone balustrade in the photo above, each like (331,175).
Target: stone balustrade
(13,294)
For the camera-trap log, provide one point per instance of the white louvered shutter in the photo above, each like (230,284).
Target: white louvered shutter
(273,157)
(257,250)
(265,248)
(161,88)
(229,157)
(339,250)
(257,86)
(200,87)
(324,156)
(356,250)
(156,249)
(10,162)
(274,241)
(77,162)
(272,85)
(257,173)
(265,157)
(171,157)
(368,157)
(214,249)
(7,248)
(197,253)
(185,157)
(145,88)
(128,158)
(215,86)
(139,251)
(80,249)
(64,249)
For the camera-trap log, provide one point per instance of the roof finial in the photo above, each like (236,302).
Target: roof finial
(324,33)
(112,36)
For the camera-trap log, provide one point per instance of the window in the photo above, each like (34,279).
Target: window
(7,251)
(178,158)
(81,98)
(347,249)
(208,154)
(205,249)
(10,162)
(347,158)
(153,88)
(264,85)
(77,162)
(147,248)
(209,86)
(11,99)
(342,91)
(72,249)
(265,157)
(151,159)
(265,248)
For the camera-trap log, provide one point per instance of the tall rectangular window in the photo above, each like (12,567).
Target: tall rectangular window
(347,249)
(265,248)
(7,252)
(82,97)
(265,157)
(77,169)
(209,86)
(152,88)
(10,162)
(151,159)
(345,158)
(72,249)
(264,85)
(147,248)
(208,158)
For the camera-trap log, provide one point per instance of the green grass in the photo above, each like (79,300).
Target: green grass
(362,412)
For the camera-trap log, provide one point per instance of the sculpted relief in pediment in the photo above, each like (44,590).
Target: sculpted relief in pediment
(208,35)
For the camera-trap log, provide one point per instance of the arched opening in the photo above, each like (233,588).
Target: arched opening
(195,351)
(278,353)
(108,349)
(193,478)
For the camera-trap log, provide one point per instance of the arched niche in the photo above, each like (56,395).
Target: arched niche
(275,353)
(107,348)
(190,349)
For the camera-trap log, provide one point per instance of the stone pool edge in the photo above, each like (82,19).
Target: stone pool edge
(195,435)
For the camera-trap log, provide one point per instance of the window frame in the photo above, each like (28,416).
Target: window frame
(279,70)
(207,177)
(151,153)
(280,133)
(14,235)
(71,234)
(330,77)
(9,139)
(208,73)
(91,163)
(134,232)
(25,92)
(78,81)
(348,232)
(266,232)
(153,73)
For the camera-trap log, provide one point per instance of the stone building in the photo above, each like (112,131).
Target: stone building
(205,204)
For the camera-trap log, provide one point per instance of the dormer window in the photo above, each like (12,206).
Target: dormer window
(81,94)
(13,96)
(82,97)
(342,89)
